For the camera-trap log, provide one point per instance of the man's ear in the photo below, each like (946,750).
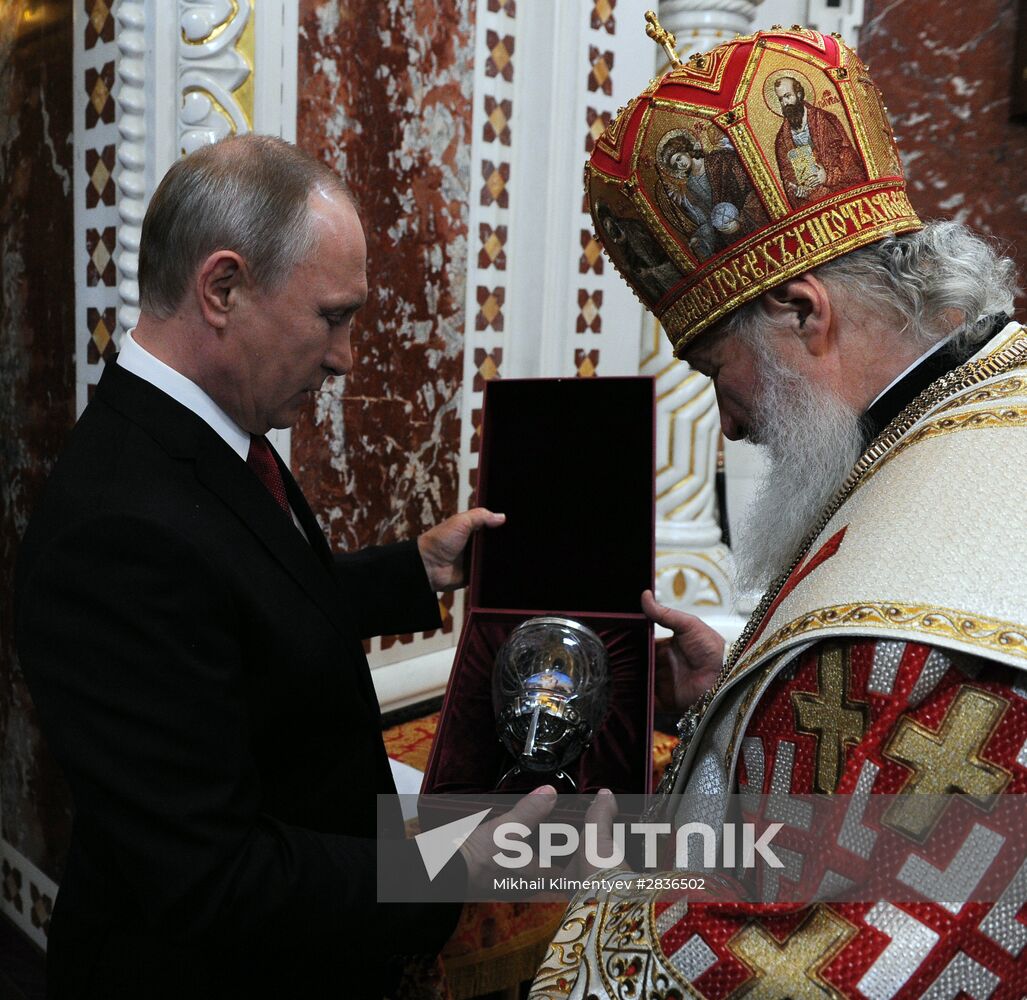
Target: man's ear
(803,306)
(218,282)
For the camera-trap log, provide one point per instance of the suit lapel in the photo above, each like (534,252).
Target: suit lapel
(241,491)
(184,435)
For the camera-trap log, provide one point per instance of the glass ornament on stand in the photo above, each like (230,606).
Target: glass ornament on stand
(549,691)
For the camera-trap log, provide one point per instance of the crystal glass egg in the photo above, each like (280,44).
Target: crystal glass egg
(549,692)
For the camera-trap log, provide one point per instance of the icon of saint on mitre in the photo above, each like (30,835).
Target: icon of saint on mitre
(705,193)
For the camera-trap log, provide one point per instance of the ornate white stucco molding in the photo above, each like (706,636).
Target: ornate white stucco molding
(191,73)
(215,53)
(130,169)
(701,24)
(693,567)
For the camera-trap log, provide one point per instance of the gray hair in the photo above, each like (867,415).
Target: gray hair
(931,283)
(247,194)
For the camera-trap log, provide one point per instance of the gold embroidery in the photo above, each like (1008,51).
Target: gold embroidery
(742,139)
(668,104)
(756,688)
(629,959)
(791,970)
(745,82)
(827,230)
(946,761)
(1007,353)
(706,76)
(986,394)
(933,623)
(1013,416)
(830,716)
(563,961)
(612,139)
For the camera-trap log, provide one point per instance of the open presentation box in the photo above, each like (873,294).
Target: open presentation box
(571,464)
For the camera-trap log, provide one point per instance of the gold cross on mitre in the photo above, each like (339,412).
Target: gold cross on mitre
(661,36)
(791,969)
(830,717)
(946,761)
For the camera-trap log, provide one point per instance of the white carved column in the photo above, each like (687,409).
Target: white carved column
(698,25)
(693,567)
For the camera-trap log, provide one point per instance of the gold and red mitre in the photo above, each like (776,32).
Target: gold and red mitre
(741,168)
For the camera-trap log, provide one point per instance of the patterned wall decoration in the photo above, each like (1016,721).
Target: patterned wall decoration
(494,131)
(95,195)
(548,80)
(37,394)
(385,98)
(598,113)
(215,71)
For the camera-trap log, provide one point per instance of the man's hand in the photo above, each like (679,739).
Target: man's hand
(442,547)
(478,849)
(480,846)
(601,814)
(687,664)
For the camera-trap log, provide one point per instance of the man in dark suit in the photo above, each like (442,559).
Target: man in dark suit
(193,647)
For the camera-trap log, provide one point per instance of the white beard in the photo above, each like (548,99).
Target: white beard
(813,440)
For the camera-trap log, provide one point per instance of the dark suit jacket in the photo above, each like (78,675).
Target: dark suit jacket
(199,673)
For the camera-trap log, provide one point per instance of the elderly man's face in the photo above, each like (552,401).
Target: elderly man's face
(771,392)
(298,336)
(731,364)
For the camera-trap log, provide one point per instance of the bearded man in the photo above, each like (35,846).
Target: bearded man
(813,152)
(873,357)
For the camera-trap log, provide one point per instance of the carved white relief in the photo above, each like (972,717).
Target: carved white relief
(130,170)
(701,24)
(693,567)
(211,70)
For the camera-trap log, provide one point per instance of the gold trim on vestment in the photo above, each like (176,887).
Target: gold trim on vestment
(986,394)
(1007,351)
(943,625)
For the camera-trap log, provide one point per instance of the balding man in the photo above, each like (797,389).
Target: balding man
(193,648)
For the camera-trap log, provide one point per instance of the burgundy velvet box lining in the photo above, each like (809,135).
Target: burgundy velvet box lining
(471,759)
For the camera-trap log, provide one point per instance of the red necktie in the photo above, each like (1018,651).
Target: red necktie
(262,462)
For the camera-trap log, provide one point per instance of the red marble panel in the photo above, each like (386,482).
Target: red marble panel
(37,385)
(946,72)
(385,98)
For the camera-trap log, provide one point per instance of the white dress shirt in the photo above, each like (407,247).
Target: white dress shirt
(139,361)
(136,359)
